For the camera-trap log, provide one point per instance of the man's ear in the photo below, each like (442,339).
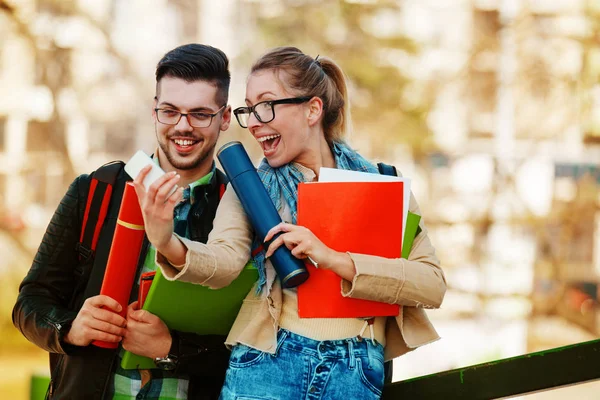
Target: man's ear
(154,104)
(226,119)
(315,110)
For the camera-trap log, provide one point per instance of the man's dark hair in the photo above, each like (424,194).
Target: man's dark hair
(197,62)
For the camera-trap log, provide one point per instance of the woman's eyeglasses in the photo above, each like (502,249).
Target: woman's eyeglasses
(265,110)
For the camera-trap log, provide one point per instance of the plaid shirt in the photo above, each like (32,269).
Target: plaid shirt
(163,385)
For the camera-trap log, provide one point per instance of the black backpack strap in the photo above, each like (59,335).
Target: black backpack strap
(388,367)
(202,213)
(99,195)
(386,169)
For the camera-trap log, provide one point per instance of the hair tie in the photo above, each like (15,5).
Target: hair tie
(317,60)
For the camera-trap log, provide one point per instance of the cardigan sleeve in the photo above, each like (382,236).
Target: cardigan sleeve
(417,281)
(218,262)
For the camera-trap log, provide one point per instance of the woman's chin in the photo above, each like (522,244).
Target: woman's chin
(276,161)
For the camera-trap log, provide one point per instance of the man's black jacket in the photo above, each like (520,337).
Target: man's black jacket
(52,293)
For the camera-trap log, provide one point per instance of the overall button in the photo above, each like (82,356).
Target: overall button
(312,389)
(319,369)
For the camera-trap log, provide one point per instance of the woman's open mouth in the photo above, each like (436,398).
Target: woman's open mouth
(269,143)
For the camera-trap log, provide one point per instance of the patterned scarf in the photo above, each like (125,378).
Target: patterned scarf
(283,182)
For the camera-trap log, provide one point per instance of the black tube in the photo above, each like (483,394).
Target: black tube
(260,209)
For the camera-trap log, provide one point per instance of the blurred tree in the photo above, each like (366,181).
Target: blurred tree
(362,37)
(546,107)
(590,74)
(53,72)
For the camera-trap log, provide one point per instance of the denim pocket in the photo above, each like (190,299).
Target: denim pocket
(371,373)
(243,356)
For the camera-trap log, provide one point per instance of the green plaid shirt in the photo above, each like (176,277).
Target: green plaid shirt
(163,385)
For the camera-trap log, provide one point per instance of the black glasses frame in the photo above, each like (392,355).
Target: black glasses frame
(272,103)
(156,110)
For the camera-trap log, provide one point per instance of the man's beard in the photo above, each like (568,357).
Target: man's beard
(188,163)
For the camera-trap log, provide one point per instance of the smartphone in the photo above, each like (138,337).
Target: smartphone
(145,283)
(139,161)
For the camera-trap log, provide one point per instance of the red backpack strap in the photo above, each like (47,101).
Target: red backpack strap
(98,199)
(222,181)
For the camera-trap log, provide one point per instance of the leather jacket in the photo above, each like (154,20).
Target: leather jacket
(53,291)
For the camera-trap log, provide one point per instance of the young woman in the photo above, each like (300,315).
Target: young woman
(297,110)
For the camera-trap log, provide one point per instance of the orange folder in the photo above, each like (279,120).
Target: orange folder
(359,217)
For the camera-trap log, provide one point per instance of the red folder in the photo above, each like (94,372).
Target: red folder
(124,252)
(145,283)
(359,217)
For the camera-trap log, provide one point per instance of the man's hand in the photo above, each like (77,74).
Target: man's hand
(146,334)
(97,320)
(157,206)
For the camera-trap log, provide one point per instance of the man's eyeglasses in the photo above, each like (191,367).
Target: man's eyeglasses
(196,119)
(265,110)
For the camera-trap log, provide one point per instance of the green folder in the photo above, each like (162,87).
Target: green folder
(189,307)
(38,388)
(410,233)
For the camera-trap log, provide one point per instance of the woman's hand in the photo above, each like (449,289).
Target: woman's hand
(304,244)
(157,208)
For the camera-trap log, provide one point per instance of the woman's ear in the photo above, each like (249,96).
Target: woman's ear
(315,110)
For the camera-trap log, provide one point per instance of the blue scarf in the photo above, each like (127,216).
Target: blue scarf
(285,179)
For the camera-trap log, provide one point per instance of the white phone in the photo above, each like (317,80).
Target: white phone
(139,161)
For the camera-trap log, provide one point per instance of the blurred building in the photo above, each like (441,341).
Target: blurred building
(513,192)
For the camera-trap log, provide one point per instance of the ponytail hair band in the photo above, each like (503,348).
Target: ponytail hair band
(317,60)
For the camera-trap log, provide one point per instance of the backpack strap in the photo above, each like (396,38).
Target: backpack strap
(203,211)
(388,366)
(222,181)
(386,169)
(100,192)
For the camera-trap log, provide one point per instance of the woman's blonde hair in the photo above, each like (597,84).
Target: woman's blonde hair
(320,77)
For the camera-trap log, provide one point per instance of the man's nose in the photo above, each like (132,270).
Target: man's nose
(184,123)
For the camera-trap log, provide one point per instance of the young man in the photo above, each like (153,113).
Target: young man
(59,314)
